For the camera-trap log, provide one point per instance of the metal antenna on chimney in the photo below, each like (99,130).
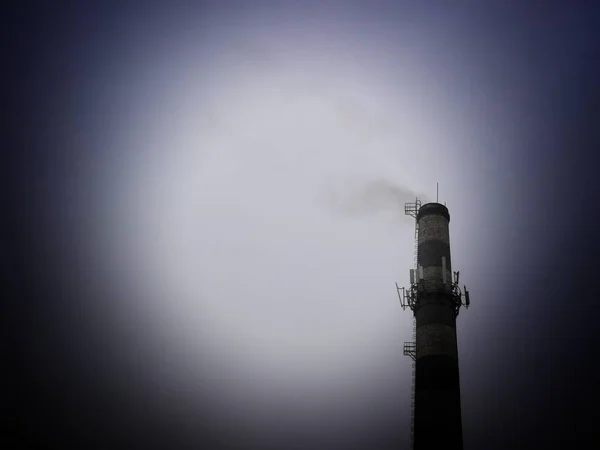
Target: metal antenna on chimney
(437,192)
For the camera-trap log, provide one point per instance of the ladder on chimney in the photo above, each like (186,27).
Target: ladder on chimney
(412,392)
(410,348)
(414,339)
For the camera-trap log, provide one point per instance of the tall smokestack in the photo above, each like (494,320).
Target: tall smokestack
(435,299)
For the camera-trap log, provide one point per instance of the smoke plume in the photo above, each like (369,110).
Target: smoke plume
(381,196)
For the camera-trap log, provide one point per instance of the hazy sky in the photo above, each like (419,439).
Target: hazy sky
(218,209)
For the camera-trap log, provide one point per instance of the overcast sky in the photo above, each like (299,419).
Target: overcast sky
(219,214)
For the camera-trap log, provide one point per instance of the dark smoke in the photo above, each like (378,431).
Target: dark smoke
(370,197)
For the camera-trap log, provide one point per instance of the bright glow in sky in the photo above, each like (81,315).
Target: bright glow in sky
(252,202)
(209,216)
(234,206)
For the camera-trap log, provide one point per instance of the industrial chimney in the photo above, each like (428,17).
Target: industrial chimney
(435,298)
